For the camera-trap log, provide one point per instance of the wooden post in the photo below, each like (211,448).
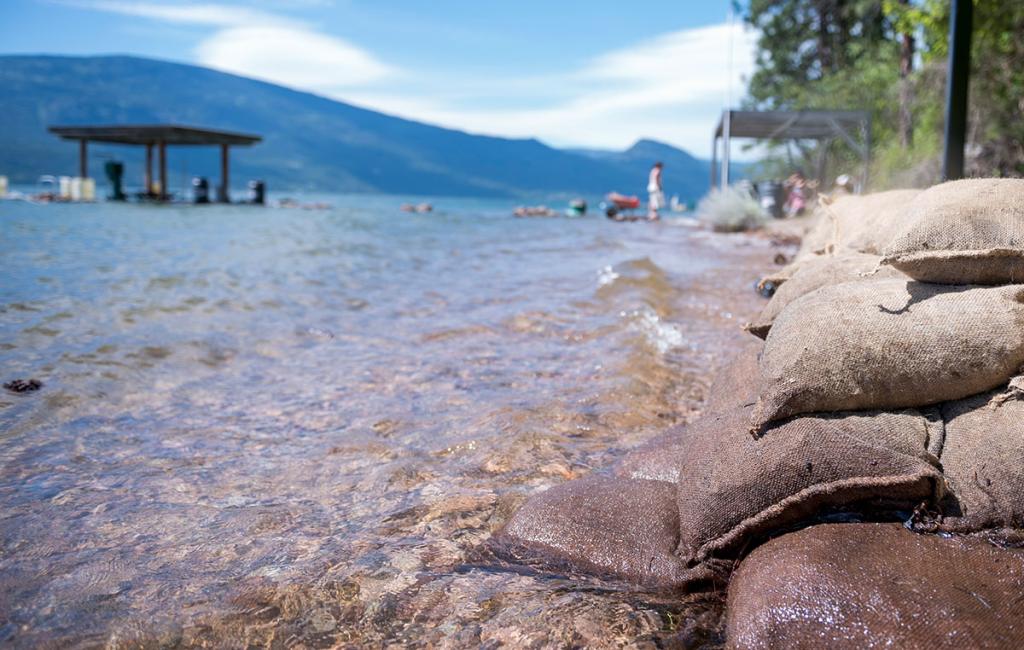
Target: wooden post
(162,150)
(83,158)
(225,180)
(149,169)
(960,26)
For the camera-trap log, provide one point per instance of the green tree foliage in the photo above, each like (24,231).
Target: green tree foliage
(850,54)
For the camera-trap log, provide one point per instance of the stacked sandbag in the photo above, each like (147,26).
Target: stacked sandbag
(983,461)
(849,226)
(817,272)
(874,395)
(734,490)
(951,339)
(612,527)
(656,460)
(964,232)
(817,240)
(867,223)
(888,344)
(876,586)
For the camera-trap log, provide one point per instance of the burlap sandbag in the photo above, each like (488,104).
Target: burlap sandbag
(606,526)
(818,240)
(888,344)
(867,223)
(737,382)
(876,586)
(983,460)
(734,383)
(817,272)
(734,490)
(777,278)
(964,232)
(656,460)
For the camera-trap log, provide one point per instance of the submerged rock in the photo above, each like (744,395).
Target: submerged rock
(23,385)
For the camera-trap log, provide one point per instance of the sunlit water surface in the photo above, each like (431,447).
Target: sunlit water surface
(289,427)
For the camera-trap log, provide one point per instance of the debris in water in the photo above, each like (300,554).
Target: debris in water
(23,385)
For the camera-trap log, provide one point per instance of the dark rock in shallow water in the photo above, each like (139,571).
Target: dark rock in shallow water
(877,585)
(615,527)
(23,385)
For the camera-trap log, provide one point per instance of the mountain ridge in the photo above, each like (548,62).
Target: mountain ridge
(310,142)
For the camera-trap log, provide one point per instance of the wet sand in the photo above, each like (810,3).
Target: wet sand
(245,466)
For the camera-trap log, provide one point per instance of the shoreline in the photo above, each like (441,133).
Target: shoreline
(247,478)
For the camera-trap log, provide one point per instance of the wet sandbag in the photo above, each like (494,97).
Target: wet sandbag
(734,489)
(613,527)
(983,460)
(888,344)
(876,586)
(867,223)
(817,272)
(964,232)
(734,383)
(656,460)
(737,381)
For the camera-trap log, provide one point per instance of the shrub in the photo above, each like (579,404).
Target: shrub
(730,210)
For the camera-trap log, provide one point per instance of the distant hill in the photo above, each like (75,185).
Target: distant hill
(310,142)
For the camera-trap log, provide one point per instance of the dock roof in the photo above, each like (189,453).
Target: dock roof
(171,134)
(798,125)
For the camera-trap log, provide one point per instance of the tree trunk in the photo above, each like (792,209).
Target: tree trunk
(906,121)
(825,57)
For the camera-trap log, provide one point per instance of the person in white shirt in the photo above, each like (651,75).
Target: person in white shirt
(655,196)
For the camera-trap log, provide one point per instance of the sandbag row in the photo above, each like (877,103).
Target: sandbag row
(678,508)
(950,334)
(961,232)
(875,393)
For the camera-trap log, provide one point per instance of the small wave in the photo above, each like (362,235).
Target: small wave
(662,335)
(606,276)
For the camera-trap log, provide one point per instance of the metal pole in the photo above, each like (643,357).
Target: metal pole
(224,179)
(149,169)
(714,159)
(162,152)
(83,158)
(960,26)
(726,145)
(867,156)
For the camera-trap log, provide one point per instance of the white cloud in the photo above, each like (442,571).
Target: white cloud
(262,45)
(671,88)
(214,15)
(291,56)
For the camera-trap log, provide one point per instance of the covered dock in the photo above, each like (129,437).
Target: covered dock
(852,127)
(159,137)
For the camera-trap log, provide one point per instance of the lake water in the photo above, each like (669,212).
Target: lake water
(289,427)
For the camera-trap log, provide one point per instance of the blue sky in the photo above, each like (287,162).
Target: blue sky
(595,73)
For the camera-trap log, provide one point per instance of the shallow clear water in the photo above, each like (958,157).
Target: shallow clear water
(281,426)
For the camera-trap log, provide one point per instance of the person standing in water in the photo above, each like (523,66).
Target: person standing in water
(655,196)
